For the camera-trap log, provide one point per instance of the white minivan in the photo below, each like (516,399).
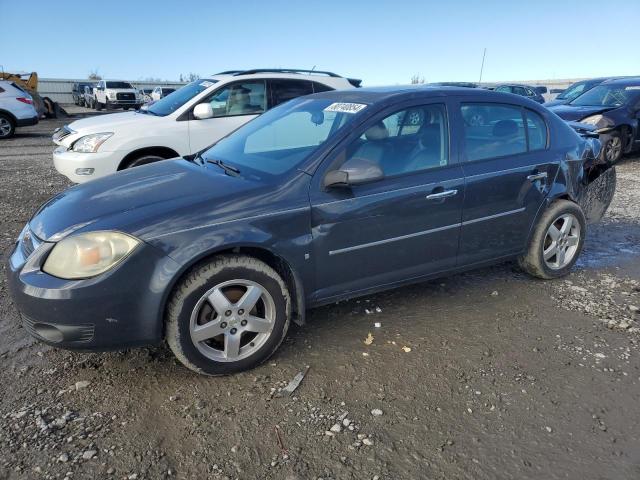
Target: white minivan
(184,122)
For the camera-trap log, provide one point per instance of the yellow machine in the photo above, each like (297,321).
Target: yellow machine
(28,81)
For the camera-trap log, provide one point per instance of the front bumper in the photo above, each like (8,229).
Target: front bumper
(27,122)
(123,103)
(82,167)
(118,309)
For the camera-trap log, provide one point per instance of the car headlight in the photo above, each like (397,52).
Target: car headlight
(112,95)
(88,254)
(90,143)
(592,120)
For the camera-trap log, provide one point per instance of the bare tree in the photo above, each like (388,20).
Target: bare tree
(190,77)
(94,75)
(416,79)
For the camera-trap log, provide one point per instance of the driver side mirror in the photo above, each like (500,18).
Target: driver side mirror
(203,111)
(354,172)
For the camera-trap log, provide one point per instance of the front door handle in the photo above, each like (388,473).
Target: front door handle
(537,176)
(443,194)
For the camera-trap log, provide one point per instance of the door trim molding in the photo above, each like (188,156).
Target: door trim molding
(424,232)
(394,239)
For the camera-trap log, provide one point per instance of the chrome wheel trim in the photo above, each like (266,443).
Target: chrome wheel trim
(5,127)
(240,316)
(613,148)
(561,241)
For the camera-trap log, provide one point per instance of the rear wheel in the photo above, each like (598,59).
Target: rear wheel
(7,127)
(228,315)
(556,242)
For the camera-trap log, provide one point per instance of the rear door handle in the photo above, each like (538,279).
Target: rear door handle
(443,194)
(537,176)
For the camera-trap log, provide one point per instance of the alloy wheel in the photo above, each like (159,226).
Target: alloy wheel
(561,241)
(5,127)
(613,149)
(232,320)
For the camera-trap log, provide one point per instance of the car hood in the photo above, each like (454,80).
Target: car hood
(576,113)
(553,103)
(112,122)
(147,201)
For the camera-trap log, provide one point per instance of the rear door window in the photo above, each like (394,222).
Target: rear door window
(493,130)
(284,90)
(537,130)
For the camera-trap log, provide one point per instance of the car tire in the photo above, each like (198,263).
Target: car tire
(143,160)
(213,294)
(125,108)
(555,245)
(7,127)
(107,105)
(613,148)
(98,105)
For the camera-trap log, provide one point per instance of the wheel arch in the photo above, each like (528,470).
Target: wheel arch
(164,152)
(290,277)
(11,116)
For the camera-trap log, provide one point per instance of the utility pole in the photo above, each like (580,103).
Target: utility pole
(482,65)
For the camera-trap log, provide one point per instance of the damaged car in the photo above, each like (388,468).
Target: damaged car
(323,198)
(613,109)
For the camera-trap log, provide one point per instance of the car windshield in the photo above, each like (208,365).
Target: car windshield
(119,85)
(573,91)
(606,96)
(282,138)
(170,103)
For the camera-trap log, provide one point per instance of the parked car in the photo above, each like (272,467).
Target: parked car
(16,109)
(145,93)
(89,96)
(78,90)
(323,198)
(161,92)
(183,123)
(613,107)
(528,91)
(574,90)
(112,94)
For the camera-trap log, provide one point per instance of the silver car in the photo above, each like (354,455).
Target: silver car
(16,109)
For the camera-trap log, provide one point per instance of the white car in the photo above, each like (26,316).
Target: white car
(161,92)
(116,94)
(16,109)
(185,122)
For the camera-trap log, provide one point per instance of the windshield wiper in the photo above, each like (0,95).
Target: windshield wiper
(228,169)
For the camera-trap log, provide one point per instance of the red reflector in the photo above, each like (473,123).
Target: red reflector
(25,100)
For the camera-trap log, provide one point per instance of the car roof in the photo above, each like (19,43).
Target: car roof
(374,95)
(627,81)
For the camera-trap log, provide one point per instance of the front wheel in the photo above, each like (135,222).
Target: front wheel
(556,242)
(228,315)
(613,148)
(98,105)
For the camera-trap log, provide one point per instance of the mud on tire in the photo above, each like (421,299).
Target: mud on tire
(191,297)
(533,260)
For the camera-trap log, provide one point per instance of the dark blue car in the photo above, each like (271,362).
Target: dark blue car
(324,198)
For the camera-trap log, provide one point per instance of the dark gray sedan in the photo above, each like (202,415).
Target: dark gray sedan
(326,197)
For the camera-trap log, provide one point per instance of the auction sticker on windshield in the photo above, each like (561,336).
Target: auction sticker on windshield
(345,107)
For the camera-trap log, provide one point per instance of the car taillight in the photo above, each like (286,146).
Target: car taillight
(25,100)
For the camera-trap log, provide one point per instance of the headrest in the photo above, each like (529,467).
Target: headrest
(377,132)
(505,128)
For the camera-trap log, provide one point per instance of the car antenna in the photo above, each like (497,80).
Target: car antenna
(484,53)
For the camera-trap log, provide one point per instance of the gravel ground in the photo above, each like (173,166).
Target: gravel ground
(485,375)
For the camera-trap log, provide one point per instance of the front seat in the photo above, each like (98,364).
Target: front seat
(374,148)
(428,152)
